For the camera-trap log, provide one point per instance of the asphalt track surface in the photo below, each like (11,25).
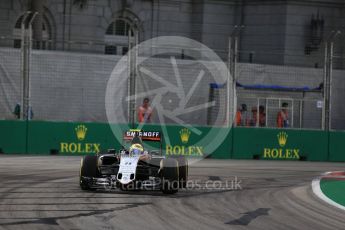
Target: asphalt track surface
(43,193)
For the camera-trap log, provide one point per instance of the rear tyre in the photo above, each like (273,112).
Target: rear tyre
(88,168)
(170,176)
(183,171)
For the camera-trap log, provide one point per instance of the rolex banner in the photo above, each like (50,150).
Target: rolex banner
(278,144)
(183,141)
(70,138)
(81,138)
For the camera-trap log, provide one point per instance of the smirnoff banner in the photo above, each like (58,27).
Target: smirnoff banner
(79,138)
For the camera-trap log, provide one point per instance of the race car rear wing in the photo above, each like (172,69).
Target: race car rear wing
(143,135)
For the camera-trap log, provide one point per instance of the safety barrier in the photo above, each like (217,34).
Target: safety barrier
(276,144)
(74,138)
(336,150)
(39,137)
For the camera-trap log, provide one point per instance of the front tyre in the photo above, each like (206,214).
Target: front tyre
(88,168)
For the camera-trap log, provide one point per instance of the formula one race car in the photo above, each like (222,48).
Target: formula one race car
(134,168)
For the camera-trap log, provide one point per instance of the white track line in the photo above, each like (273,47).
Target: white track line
(318,192)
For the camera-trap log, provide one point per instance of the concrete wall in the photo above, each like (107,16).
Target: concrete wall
(264,32)
(297,34)
(276,32)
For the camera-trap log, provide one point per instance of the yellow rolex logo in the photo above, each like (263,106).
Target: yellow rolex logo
(184,135)
(282,138)
(81,132)
(183,150)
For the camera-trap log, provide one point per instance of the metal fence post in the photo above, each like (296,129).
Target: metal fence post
(301,102)
(258,113)
(292,114)
(29,49)
(229,117)
(129,67)
(329,50)
(26,48)
(132,59)
(325,101)
(24,65)
(233,56)
(234,74)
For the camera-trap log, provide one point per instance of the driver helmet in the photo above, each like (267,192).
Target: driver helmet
(136,149)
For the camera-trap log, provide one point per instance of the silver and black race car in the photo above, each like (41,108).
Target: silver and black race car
(134,168)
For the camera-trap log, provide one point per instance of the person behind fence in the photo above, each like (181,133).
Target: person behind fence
(145,112)
(254,118)
(242,116)
(16,111)
(283,117)
(262,116)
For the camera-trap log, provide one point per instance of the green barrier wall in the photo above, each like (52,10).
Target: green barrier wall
(73,138)
(225,150)
(69,138)
(336,144)
(277,144)
(182,141)
(13,136)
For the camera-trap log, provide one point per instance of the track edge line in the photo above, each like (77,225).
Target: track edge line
(318,192)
